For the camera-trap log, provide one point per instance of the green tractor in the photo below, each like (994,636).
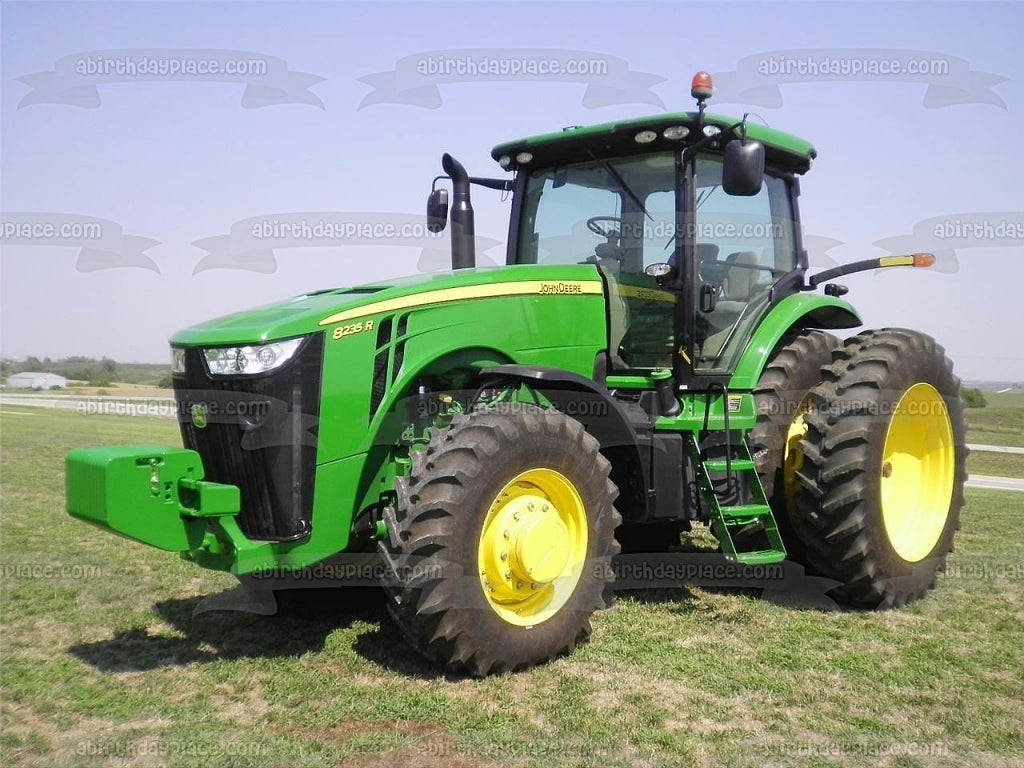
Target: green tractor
(486,441)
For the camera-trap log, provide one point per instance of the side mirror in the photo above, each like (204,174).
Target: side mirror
(437,210)
(743,173)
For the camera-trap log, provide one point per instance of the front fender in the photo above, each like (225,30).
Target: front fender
(584,399)
(590,403)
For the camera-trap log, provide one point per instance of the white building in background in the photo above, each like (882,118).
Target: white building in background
(35,380)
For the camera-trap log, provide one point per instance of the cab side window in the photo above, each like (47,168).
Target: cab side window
(744,244)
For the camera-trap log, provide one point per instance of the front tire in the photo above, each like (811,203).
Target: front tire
(884,468)
(500,545)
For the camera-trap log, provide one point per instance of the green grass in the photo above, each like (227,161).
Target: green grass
(104,662)
(999,464)
(1001,422)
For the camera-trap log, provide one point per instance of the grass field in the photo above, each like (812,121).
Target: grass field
(1001,422)
(104,663)
(1000,464)
(114,389)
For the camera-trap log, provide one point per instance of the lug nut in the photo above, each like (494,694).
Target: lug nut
(503,555)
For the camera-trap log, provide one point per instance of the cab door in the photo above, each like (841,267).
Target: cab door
(743,246)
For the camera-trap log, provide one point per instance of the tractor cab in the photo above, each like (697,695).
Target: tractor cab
(690,218)
(635,217)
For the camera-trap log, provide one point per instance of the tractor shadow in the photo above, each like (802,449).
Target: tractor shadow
(227,626)
(230,625)
(687,598)
(678,574)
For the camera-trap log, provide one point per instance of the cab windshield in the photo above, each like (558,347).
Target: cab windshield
(621,209)
(620,214)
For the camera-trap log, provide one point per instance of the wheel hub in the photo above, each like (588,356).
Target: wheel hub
(532,545)
(539,541)
(917,472)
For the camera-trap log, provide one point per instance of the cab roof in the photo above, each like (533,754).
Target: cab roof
(617,139)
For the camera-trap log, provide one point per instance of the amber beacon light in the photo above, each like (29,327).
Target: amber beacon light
(700,86)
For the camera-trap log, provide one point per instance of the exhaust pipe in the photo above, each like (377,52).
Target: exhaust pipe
(463,255)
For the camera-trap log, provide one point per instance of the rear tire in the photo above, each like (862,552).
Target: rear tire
(500,545)
(781,397)
(884,468)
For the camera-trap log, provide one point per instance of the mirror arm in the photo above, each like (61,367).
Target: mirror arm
(503,185)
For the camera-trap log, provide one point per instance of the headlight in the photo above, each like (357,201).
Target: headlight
(250,360)
(177,360)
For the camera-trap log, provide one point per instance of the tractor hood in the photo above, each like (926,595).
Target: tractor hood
(315,311)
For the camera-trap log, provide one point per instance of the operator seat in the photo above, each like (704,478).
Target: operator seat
(739,283)
(707,262)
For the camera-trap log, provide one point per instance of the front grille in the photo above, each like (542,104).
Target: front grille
(259,433)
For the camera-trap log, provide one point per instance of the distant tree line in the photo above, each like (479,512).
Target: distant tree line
(95,372)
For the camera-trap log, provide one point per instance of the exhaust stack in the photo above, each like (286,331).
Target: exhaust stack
(463,255)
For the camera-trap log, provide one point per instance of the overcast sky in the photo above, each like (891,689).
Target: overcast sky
(339,126)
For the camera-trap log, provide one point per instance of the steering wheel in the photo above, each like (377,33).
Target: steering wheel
(594,224)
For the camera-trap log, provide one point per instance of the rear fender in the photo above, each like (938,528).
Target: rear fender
(798,311)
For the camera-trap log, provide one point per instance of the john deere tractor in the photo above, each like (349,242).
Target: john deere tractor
(653,355)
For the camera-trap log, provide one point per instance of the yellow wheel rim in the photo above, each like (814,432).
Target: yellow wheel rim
(917,472)
(533,546)
(792,456)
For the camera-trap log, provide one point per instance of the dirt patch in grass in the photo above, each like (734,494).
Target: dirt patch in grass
(244,703)
(432,746)
(46,739)
(344,731)
(434,754)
